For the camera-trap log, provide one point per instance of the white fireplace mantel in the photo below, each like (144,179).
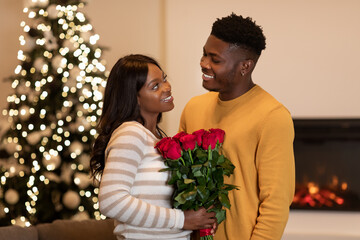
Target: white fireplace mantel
(322,225)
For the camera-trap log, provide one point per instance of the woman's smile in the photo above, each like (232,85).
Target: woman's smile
(168,99)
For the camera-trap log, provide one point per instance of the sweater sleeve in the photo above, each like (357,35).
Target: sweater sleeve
(123,155)
(276,175)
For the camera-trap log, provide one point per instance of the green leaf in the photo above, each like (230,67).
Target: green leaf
(185,155)
(188,205)
(228,167)
(196,167)
(218,177)
(180,198)
(189,196)
(203,193)
(229,187)
(224,200)
(187,181)
(173,163)
(165,169)
(220,216)
(196,170)
(213,196)
(198,173)
(176,204)
(181,185)
(174,177)
(184,170)
(209,203)
(200,153)
(215,156)
(201,180)
(200,156)
(221,159)
(211,185)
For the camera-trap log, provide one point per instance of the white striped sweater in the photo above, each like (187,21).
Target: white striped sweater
(134,192)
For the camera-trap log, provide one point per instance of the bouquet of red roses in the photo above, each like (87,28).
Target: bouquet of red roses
(197,171)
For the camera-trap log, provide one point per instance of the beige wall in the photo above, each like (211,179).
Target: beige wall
(310,64)
(128,26)
(10,18)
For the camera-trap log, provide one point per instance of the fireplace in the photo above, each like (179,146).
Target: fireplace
(327,158)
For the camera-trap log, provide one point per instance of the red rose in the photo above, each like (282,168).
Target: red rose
(209,139)
(179,135)
(188,142)
(199,134)
(172,150)
(169,148)
(219,134)
(162,144)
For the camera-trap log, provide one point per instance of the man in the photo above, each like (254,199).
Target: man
(259,131)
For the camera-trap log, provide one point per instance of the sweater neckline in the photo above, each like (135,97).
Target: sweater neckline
(243,98)
(147,131)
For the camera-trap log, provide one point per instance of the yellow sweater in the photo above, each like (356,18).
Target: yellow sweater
(259,137)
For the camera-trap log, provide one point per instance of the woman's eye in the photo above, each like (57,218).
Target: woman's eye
(155,87)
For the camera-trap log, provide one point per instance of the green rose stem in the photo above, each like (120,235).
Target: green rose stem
(192,161)
(209,160)
(182,160)
(209,153)
(217,146)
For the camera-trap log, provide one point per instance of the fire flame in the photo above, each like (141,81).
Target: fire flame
(314,196)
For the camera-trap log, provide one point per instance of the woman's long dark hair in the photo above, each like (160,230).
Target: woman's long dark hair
(120,103)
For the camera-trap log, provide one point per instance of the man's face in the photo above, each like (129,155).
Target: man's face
(219,65)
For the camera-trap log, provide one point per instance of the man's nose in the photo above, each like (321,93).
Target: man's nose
(204,63)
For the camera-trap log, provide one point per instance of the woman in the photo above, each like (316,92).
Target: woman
(132,190)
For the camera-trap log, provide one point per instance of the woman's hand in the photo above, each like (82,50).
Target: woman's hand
(214,228)
(200,219)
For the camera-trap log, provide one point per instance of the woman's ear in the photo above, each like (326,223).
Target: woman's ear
(138,99)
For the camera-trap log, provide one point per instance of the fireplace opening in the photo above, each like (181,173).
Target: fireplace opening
(327,160)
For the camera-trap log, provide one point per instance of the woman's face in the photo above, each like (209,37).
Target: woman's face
(155,96)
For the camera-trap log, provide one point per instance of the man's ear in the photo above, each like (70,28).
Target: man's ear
(246,66)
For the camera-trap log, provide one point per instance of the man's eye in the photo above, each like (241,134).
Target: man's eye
(165,78)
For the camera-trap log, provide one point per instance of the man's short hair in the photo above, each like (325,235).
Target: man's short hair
(240,31)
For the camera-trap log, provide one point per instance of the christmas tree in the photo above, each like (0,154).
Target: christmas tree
(52,115)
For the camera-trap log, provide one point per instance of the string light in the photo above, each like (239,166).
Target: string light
(72,62)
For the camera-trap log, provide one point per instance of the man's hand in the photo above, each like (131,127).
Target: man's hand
(200,219)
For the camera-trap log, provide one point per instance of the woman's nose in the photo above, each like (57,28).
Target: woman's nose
(167,87)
